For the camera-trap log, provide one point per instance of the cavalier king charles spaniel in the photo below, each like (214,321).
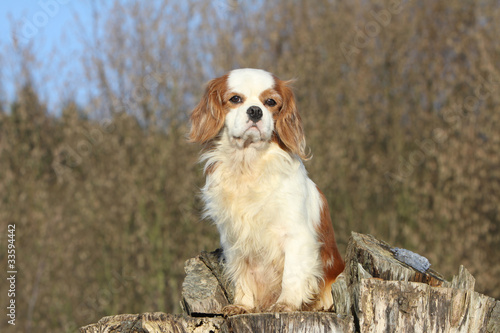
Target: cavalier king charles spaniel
(274,223)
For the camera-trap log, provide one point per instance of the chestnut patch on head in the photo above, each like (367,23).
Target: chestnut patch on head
(271,99)
(289,133)
(207,118)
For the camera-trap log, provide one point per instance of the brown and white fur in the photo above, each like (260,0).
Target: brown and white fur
(274,223)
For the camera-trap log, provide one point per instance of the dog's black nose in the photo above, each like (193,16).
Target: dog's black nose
(254,113)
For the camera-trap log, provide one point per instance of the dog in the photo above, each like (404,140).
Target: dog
(274,223)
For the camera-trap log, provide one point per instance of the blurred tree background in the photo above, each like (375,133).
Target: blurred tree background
(401,104)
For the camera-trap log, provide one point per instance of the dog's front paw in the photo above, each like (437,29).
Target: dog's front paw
(234,309)
(282,307)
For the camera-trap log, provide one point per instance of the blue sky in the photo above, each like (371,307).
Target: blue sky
(35,19)
(50,27)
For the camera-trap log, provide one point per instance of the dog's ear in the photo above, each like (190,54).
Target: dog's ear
(207,118)
(290,133)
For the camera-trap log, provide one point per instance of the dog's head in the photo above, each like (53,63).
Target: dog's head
(254,107)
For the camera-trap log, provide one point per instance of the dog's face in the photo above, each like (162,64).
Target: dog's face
(252,101)
(254,107)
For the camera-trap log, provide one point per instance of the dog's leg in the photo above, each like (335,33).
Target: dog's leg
(301,273)
(243,299)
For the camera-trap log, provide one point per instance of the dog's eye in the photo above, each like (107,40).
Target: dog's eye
(270,102)
(235,99)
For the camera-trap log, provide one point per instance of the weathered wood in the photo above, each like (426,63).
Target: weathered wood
(377,259)
(201,292)
(307,322)
(214,260)
(494,322)
(119,323)
(464,280)
(388,295)
(154,323)
(341,299)
(381,290)
(400,306)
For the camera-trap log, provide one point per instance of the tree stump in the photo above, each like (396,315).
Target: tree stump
(153,323)
(390,295)
(382,289)
(201,292)
(288,322)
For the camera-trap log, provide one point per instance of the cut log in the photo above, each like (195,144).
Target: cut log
(215,261)
(307,322)
(119,323)
(400,306)
(389,295)
(341,299)
(201,292)
(377,259)
(368,257)
(382,289)
(153,323)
